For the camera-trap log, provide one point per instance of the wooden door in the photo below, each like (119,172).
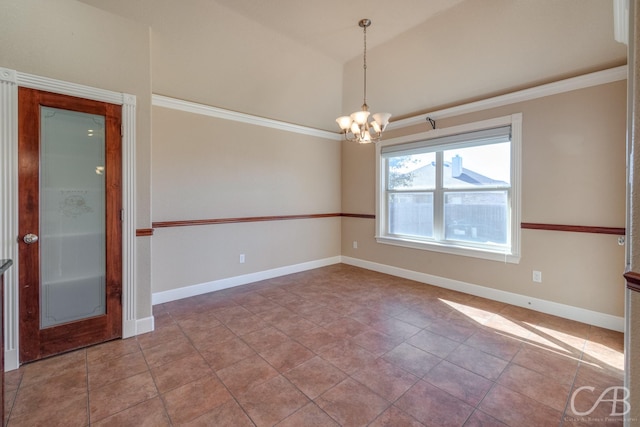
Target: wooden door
(70,229)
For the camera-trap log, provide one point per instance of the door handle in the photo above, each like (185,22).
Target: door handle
(30,238)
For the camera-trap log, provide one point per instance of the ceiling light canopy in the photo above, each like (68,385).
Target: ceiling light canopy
(359,126)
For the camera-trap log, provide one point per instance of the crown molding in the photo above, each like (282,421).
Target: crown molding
(575,83)
(221,113)
(581,82)
(73,89)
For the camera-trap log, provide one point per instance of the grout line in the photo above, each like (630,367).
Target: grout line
(213,371)
(282,373)
(153,378)
(575,377)
(86,367)
(15,398)
(308,289)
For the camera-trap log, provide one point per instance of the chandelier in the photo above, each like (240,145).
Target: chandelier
(357,126)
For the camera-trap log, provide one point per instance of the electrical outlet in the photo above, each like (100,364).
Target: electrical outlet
(241,258)
(355,244)
(537,276)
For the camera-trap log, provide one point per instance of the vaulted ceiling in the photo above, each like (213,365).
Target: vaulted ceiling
(301,61)
(329,25)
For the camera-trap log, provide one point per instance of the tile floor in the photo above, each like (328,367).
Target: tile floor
(333,346)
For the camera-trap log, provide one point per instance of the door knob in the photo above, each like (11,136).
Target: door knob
(30,238)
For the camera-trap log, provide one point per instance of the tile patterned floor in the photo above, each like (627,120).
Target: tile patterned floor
(335,346)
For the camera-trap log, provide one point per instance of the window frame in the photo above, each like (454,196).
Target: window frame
(432,138)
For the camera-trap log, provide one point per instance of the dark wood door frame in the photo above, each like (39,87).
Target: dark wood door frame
(36,343)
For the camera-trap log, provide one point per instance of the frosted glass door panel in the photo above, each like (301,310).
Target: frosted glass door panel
(72,216)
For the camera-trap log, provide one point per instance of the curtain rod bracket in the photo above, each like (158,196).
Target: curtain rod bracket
(432,122)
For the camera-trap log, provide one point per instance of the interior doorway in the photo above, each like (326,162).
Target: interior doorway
(69,221)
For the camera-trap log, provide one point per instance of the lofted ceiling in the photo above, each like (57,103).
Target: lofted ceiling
(258,56)
(326,26)
(329,26)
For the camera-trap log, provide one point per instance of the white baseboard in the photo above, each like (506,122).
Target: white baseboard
(217,285)
(11,361)
(590,317)
(129,328)
(145,325)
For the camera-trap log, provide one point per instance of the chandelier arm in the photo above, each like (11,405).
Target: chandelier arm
(357,126)
(350,136)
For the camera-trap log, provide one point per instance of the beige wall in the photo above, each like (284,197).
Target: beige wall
(207,168)
(452,57)
(70,41)
(573,172)
(187,256)
(205,52)
(199,50)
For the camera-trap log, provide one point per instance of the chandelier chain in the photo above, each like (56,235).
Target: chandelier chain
(362,126)
(365,65)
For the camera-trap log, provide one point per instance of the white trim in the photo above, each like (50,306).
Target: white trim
(453,130)
(554,88)
(516,184)
(561,310)
(590,317)
(11,359)
(217,285)
(574,83)
(129,327)
(221,113)
(66,88)
(8,76)
(145,325)
(9,210)
(10,80)
(467,251)
(621,21)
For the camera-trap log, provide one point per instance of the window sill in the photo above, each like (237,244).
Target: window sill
(452,250)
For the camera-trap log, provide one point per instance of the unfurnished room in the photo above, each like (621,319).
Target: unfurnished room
(320,213)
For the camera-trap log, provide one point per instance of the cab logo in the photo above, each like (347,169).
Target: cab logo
(618,394)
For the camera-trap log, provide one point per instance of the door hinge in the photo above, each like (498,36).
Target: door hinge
(121,215)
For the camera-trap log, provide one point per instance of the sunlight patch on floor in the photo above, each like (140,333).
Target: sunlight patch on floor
(566,338)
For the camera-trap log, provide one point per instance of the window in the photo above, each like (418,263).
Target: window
(454,190)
